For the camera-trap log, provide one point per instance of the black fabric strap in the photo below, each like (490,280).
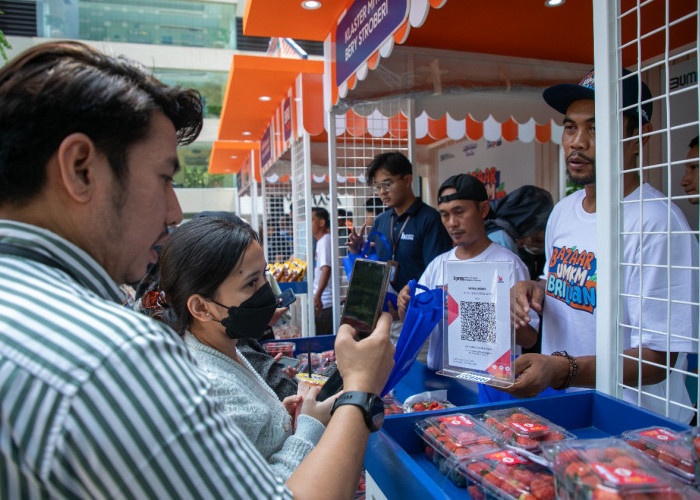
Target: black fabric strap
(9,249)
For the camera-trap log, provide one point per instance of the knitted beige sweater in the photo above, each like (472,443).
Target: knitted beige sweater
(256,409)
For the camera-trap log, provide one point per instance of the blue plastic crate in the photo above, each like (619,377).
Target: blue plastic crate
(396,460)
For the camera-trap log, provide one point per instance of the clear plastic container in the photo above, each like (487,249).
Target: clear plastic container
(522,429)
(286,348)
(504,474)
(392,406)
(692,438)
(427,401)
(609,469)
(665,446)
(451,439)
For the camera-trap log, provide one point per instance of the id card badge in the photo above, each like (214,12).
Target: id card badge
(393,268)
(478,334)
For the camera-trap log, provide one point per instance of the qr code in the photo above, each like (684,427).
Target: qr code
(478,321)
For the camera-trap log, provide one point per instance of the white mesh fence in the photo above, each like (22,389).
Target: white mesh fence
(657,202)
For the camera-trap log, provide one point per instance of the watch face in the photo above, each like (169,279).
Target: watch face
(376,412)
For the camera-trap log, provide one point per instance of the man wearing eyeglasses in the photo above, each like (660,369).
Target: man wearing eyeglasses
(413,229)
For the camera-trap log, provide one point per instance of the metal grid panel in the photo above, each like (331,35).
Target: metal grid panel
(353,154)
(299,207)
(657,297)
(277,223)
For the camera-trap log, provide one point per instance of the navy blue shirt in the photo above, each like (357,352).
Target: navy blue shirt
(422,239)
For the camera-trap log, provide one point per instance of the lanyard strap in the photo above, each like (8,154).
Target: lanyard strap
(394,245)
(8,249)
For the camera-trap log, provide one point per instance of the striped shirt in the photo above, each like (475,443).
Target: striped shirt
(99,401)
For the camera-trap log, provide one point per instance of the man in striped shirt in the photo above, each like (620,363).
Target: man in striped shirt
(96,400)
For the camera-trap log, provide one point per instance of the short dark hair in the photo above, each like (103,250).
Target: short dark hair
(59,88)
(395,163)
(197,258)
(322,214)
(693,142)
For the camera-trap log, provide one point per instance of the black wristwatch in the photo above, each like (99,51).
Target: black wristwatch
(371,405)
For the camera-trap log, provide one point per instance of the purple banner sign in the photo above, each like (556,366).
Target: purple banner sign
(265,149)
(287,119)
(362,30)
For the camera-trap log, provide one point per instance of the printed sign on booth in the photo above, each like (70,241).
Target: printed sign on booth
(287,119)
(362,30)
(265,148)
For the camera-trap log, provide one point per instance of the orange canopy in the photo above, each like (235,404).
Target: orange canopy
(244,115)
(228,157)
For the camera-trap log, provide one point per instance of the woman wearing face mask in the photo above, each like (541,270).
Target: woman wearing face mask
(213,274)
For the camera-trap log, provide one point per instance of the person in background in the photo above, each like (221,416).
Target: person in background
(212,271)
(373,207)
(88,150)
(463,204)
(323,296)
(567,297)
(520,214)
(689,182)
(413,229)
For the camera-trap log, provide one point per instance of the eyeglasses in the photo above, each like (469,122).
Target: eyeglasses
(387,185)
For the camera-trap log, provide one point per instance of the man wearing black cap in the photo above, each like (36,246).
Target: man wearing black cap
(463,205)
(567,295)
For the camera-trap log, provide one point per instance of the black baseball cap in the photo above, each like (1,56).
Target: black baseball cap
(468,188)
(562,95)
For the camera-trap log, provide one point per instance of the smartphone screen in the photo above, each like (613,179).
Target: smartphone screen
(365,296)
(287,361)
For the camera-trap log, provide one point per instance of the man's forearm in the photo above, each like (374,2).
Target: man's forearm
(332,468)
(323,280)
(630,368)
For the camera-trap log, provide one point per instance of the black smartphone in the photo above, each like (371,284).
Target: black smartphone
(287,361)
(365,297)
(286,298)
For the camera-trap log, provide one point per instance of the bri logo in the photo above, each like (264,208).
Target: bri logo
(500,279)
(405,236)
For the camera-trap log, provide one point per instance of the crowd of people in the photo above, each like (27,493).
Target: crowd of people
(176,398)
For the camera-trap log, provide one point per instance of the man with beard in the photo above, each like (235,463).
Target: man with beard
(567,295)
(689,182)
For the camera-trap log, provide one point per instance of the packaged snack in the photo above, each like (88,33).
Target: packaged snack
(392,406)
(505,474)
(451,439)
(609,469)
(665,446)
(427,401)
(286,348)
(522,429)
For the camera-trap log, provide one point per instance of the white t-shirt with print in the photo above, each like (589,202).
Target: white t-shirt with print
(571,276)
(434,276)
(322,257)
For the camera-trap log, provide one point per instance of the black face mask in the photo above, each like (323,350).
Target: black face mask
(250,319)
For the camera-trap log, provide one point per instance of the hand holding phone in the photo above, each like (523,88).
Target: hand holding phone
(286,298)
(365,297)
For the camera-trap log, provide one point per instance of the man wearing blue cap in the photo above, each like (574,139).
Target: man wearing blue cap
(464,204)
(566,297)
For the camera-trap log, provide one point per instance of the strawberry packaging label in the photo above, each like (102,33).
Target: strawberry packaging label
(660,434)
(622,475)
(527,427)
(506,457)
(456,421)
